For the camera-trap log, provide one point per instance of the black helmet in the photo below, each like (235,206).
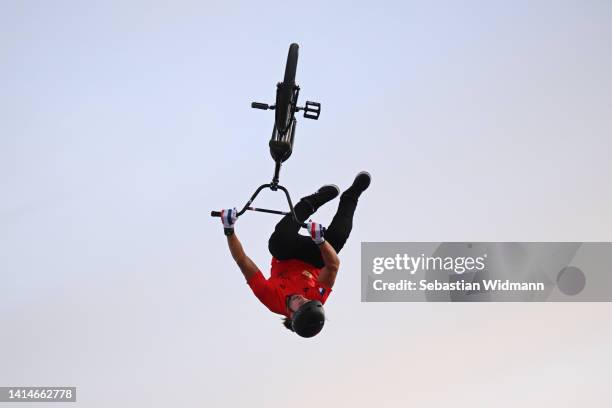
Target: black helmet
(309,319)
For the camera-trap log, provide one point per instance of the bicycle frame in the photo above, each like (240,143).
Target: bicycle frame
(291,92)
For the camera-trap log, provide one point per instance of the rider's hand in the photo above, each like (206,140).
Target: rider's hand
(228,218)
(316,231)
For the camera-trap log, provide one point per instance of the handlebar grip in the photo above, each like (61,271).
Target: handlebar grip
(259,105)
(215,213)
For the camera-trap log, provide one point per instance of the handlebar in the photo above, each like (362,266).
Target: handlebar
(273,187)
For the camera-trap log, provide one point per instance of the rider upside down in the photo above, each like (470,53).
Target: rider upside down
(303,269)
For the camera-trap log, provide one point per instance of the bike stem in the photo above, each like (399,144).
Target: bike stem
(276,176)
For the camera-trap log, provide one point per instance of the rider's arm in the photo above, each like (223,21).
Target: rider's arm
(327,275)
(246,265)
(267,293)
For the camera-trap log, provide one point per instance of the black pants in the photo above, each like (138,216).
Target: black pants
(285,242)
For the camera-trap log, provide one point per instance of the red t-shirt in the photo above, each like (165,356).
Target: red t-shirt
(287,278)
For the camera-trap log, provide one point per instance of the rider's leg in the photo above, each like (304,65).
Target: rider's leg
(342,223)
(285,240)
(340,227)
(303,248)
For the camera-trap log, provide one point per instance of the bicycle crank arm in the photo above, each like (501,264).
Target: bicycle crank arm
(262,106)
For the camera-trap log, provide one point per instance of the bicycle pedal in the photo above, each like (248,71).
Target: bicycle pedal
(312,110)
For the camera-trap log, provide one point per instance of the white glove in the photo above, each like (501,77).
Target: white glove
(228,218)
(316,231)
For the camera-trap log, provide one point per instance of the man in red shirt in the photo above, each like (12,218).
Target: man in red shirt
(303,268)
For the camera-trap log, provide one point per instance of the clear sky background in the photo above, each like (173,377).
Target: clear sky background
(123,123)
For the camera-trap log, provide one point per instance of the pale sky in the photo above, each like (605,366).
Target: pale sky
(123,123)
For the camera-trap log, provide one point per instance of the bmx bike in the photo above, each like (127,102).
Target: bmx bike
(283,131)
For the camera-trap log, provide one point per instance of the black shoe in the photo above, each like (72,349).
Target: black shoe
(326,193)
(362,181)
(360,184)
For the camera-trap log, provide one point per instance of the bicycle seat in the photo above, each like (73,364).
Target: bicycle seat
(280,150)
